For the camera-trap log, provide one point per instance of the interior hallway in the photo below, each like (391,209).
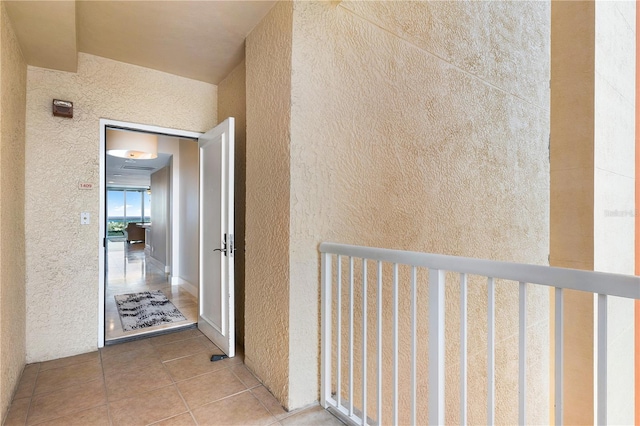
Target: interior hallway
(128,270)
(162,380)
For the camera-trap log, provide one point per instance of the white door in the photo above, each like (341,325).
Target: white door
(216,298)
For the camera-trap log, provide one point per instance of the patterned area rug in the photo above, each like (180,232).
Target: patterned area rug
(146,309)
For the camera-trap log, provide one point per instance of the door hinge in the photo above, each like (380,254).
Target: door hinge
(232,247)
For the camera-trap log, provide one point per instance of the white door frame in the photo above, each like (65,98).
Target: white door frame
(104,123)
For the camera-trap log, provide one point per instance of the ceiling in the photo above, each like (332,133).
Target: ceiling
(201,40)
(127,173)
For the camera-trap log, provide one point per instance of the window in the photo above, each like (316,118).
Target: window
(125,206)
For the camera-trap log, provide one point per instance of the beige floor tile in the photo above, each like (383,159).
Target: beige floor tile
(130,360)
(120,348)
(245,376)
(25,389)
(148,407)
(181,420)
(98,416)
(17,414)
(194,365)
(270,402)
(31,370)
(210,345)
(67,401)
(316,416)
(71,360)
(241,409)
(63,377)
(175,336)
(180,349)
(125,384)
(27,381)
(210,387)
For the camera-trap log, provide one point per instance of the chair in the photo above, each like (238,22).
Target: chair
(133,233)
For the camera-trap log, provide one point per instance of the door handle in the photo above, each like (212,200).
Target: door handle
(223,250)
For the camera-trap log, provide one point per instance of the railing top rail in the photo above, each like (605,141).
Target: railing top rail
(574,279)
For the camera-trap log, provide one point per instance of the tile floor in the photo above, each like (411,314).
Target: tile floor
(162,380)
(130,271)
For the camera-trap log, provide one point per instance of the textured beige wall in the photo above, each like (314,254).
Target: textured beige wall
(592,189)
(393,145)
(572,195)
(268,94)
(423,126)
(614,189)
(232,102)
(13,84)
(62,255)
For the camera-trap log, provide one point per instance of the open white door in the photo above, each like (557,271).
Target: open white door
(216,297)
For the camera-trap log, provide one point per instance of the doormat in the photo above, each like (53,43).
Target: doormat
(146,309)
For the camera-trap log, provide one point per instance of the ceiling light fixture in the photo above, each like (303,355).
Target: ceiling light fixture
(137,145)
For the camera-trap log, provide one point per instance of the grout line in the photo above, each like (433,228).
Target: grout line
(227,397)
(35,380)
(288,413)
(185,356)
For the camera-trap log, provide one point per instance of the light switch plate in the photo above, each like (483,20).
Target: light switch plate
(85,218)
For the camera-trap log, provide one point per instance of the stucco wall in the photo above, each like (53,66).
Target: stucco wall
(614,189)
(268,91)
(423,126)
(232,102)
(62,255)
(592,190)
(402,138)
(13,78)
(572,195)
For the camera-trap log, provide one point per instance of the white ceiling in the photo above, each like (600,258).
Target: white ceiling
(127,173)
(201,40)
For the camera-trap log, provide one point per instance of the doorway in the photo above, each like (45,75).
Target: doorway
(139,256)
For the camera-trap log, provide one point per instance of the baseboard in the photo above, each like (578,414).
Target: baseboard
(192,289)
(155,262)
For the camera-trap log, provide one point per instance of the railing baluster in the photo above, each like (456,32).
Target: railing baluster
(364,341)
(379,405)
(350,336)
(602,359)
(559,356)
(522,357)
(602,284)
(491,350)
(395,343)
(436,347)
(327,283)
(339,335)
(414,332)
(463,349)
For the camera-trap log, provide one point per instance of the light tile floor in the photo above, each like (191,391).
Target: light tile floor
(130,271)
(162,380)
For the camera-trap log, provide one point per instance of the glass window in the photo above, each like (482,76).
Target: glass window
(133,206)
(115,212)
(125,206)
(147,206)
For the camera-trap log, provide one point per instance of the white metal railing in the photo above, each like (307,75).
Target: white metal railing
(333,381)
